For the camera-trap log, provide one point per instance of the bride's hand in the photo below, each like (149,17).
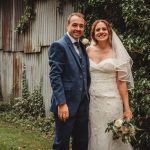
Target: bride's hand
(128,114)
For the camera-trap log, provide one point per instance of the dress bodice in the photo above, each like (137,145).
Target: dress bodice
(104,70)
(103,77)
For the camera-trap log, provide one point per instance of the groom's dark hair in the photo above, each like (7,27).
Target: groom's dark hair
(74,14)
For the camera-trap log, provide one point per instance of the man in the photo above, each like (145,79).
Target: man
(70,80)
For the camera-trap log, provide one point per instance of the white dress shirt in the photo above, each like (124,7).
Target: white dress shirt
(73,41)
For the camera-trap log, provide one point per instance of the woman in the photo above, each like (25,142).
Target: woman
(111,77)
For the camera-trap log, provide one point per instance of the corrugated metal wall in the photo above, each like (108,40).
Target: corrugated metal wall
(0,25)
(30,48)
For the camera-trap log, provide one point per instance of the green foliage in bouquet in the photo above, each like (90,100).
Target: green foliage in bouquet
(123,129)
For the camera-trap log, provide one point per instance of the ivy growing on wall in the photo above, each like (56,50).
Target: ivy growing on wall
(29,15)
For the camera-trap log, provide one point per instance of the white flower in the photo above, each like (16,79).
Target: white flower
(118,123)
(85,41)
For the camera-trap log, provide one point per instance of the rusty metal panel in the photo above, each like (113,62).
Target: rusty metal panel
(10,14)
(37,68)
(43,28)
(7,11)
(0,24)
(10,73)
(62,18)
(18,39)
(6,73)
(47,91)
(17,74)
(48,26)
(11,68)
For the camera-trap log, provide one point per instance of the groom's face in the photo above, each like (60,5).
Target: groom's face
(75,27)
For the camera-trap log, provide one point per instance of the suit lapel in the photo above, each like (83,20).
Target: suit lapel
(70,45)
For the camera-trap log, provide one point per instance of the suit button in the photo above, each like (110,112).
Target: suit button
(80,77)
(80,89)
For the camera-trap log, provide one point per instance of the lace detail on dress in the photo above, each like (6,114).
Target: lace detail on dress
(105,106)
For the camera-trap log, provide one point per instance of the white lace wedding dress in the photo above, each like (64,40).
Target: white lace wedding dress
(105,106)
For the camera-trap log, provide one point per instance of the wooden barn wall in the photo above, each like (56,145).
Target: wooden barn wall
(30,48)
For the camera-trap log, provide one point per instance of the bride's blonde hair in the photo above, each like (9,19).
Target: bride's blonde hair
(108,25)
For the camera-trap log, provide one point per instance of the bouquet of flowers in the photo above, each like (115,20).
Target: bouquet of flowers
(123,129)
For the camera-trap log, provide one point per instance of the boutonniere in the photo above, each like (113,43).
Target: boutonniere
(85,42)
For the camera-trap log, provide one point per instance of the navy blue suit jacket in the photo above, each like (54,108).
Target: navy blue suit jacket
(66,74)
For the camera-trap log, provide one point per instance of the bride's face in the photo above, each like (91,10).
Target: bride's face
(101,32)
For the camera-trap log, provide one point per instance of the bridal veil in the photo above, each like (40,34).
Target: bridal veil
(124,61)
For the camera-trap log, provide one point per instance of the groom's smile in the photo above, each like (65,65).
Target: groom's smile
(76,27)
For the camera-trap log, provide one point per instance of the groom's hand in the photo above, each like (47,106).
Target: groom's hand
(63,112)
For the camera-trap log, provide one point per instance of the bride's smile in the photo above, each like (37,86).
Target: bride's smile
(101,32)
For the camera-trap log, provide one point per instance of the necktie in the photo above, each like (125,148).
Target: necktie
(78,47)
(79,50)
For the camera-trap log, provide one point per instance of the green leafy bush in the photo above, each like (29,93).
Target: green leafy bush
(5,107)
(28,110)
(140,100)
(42,124)
(30,104)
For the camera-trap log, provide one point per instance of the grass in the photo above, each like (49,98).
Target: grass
(13,138)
